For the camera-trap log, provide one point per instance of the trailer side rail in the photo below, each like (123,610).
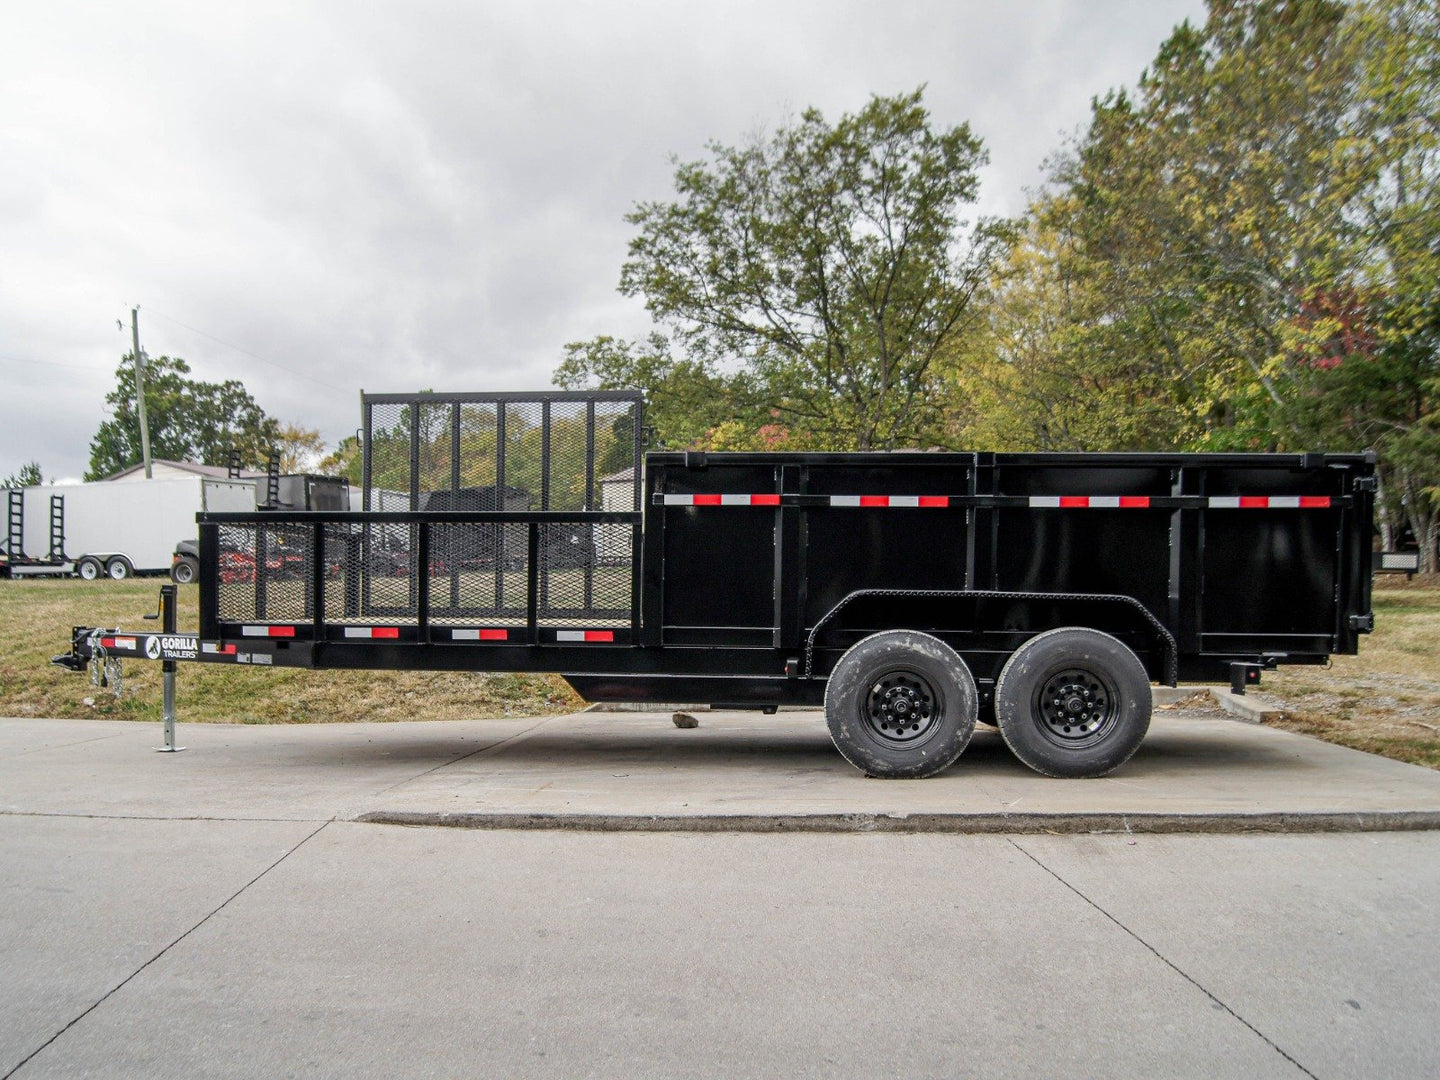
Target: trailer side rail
(435,577)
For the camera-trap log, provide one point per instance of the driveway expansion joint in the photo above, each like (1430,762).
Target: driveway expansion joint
(1165,960)
(199,923)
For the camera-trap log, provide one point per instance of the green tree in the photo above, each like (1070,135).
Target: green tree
(189,420)
(686,399)
(28,476)
(300,448)
(814,274)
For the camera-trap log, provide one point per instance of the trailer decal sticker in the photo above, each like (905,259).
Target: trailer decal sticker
(479,634)
(391,632)
(217,650)
(172,647)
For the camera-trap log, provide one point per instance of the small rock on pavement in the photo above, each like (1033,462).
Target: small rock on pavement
(685,720)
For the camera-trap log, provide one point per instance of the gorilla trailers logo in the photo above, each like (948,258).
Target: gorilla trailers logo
(152,648)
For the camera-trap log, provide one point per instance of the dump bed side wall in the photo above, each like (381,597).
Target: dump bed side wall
(1234,555)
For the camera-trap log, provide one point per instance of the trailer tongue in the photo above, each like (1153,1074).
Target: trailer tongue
(909,593)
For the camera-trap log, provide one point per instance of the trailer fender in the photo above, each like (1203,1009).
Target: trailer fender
(1163,639)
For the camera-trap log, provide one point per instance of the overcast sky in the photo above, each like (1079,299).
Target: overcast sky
(317,198)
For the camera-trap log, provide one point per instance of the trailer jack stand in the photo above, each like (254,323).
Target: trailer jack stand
(1242,675)
(167,618)
(1245,673)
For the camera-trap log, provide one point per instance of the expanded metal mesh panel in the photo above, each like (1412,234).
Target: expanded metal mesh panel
(616,459)
(454,454)
(435,447)
(478,572)
(545,453)
(570,479)
(477,443)
(369,572)
(389,446)
(575,584)
(265,572)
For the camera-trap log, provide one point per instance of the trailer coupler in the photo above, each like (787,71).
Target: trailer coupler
(84,640)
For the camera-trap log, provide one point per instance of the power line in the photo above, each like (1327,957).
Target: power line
(247,352)
(51,363)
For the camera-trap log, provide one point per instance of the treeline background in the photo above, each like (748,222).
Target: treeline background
(1239,252)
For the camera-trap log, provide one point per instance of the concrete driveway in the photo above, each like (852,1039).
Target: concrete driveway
(230,911)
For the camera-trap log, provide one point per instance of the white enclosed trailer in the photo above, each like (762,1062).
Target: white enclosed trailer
(119,529)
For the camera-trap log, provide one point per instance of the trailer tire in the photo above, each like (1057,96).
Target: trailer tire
(89,569)
(1073,702)
(184,571)
(119,568)
(900,705)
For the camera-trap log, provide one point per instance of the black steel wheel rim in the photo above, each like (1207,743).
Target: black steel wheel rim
(902,708)
(1076,706)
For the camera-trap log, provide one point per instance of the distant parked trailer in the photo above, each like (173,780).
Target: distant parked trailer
(114,530)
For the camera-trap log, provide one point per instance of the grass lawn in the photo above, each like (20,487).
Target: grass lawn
(1385,700)
(36,615)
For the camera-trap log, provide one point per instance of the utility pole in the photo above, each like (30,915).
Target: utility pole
(140,389)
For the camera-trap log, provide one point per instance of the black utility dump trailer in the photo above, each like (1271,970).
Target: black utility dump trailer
(909,593)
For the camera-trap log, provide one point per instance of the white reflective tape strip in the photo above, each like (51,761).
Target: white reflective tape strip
(1285,502)
(569,635)
(734,500)
(1105,502)
(679,500)
(844,500)
(464,635)
(1045,501)
(1225,502)
(905,500)
(1400,562)
(254,631)
(358,632)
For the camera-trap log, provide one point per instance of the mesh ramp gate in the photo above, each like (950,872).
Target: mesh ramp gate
(509,509)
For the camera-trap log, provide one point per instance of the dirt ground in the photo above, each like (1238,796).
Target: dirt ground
(1385,700)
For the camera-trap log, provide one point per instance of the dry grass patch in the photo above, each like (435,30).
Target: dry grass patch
(36,616)
(1386,700)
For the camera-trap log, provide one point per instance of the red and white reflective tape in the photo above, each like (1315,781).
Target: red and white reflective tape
(721,500)
(382,632)
(479,633)
(584,635)
(1269,502)
(267,631)
(894,502)
(117,643)
(217,650)
(1091,502)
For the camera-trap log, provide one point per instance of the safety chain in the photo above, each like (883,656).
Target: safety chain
(105,670)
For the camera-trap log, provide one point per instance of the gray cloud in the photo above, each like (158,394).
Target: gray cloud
(399,196)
